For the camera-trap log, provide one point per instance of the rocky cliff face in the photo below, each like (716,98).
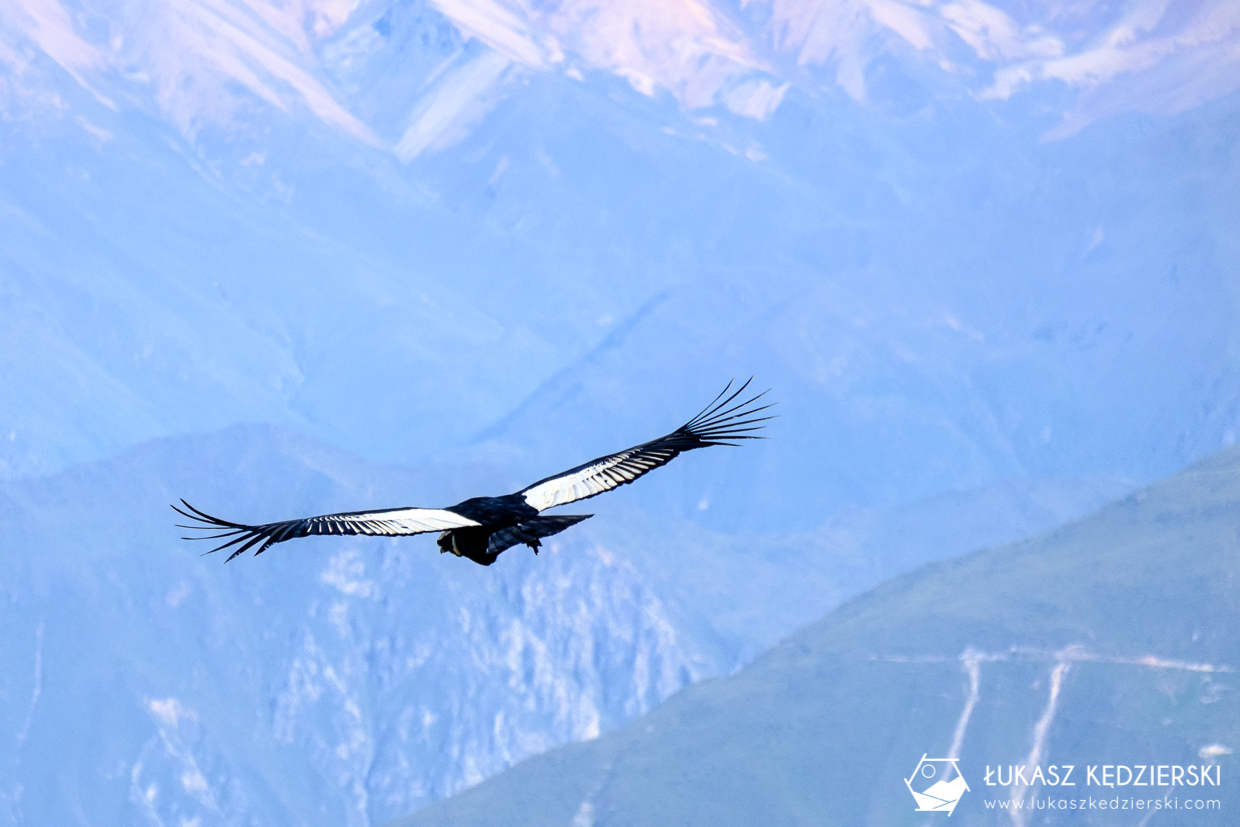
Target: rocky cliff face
(350,680)
(1107,646)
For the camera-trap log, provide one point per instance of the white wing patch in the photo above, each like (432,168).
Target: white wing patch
(390,522)
(723,422)
(393,522)
(595,478)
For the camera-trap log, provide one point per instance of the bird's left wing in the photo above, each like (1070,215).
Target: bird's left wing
(391,522)
(723,421)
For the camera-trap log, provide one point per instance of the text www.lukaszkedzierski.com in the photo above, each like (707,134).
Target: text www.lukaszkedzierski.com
(1091,803)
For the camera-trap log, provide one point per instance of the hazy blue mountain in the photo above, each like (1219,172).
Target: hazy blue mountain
(1110,641)
(353,680)
(956,299)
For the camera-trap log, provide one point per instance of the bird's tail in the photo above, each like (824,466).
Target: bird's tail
(531,531)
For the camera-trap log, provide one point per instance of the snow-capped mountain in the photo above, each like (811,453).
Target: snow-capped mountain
(355,65)
(284,273)
(233,211)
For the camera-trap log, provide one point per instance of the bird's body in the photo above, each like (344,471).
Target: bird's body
(481,528)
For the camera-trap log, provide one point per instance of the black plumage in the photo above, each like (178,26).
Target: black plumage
(482,527)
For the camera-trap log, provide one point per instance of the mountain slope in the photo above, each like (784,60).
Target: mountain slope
(1113,640)
(951,323)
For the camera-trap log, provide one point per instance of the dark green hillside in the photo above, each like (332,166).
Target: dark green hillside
(1111,641)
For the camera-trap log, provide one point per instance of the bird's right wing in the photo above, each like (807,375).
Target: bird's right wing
(391,522)
(722,422)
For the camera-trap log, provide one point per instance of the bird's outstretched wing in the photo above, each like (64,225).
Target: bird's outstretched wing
(391,522)
(723,421)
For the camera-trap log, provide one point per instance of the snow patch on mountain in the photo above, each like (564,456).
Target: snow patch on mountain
(460,96)
(194,58)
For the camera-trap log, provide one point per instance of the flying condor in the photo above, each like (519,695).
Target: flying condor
(482,527)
